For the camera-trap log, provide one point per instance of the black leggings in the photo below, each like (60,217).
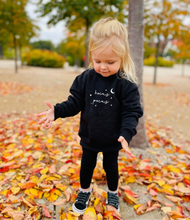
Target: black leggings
(110,165)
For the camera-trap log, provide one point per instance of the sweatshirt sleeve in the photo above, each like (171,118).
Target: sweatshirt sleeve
(131,111)
(74,104)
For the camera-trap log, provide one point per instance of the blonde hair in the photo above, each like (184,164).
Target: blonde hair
(111,31)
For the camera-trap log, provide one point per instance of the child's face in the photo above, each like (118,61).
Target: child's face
(106,62)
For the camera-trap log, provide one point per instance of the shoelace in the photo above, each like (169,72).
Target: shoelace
(113,200)
(82,197)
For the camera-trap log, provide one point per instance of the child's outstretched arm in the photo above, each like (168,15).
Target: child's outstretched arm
(125,145)
(49,116)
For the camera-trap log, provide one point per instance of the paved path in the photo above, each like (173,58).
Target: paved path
(148,70)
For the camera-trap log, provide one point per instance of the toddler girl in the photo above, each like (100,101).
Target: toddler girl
(107,96)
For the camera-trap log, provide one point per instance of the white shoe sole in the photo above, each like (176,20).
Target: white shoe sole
(79,210)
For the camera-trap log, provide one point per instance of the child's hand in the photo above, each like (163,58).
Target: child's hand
(49,116)
(126,148)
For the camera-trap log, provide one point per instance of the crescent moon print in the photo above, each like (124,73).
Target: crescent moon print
(112,91)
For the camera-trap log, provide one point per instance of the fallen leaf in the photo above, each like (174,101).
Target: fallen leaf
(166,209)
(174,198)
(114,210)
(60,202)
(46,212)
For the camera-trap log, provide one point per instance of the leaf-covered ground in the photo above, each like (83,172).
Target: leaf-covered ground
(39,169)
(36,164)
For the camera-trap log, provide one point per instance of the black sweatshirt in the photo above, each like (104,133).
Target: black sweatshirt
(110,107)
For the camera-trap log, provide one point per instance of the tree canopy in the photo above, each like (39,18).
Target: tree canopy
(42,44)
(80,14)
(15,23)
(164,21)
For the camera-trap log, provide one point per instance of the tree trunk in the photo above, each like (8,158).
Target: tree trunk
(183,69)
(20,54)
(156,61)
(86,44)
(136,34)
(1,51)
(15,46)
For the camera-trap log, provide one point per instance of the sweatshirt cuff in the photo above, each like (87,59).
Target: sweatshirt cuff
(127,135)
(56,115)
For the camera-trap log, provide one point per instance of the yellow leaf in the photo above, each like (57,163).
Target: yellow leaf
(131,198)
(32,210)
(57,192)
(37,165)
(136,206)
(4,192)
(32,192)
(174,169)
(42,178)
(46,194)
(15,190)
(44,171)
(50,141)
(167,191)
(30,141)
(71,217)
(165,186)
(27,203)
(71,170)
(89,214)
(34,179)
(74,213)
(51,178)
(161,182)
(96,202)
(99,216)
(150,186)
(130,179)
(61,187)
(57,176)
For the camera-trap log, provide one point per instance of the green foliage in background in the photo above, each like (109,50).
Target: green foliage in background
(43,58)
(73,48)
(161,62)
(70,60)
(8,53)
(81,14)
(42,44)
(148,51)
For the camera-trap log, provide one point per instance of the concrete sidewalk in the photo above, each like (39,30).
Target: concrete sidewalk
(164,74)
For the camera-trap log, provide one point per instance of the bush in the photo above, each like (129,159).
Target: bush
(44,58)
(70,60)
(161,62)
(8,53)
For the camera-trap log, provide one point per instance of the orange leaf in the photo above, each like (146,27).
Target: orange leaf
(114,210)
(176,215)
(28,185)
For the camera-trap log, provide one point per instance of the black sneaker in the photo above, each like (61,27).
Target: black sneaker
(113,200)
(81,202)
